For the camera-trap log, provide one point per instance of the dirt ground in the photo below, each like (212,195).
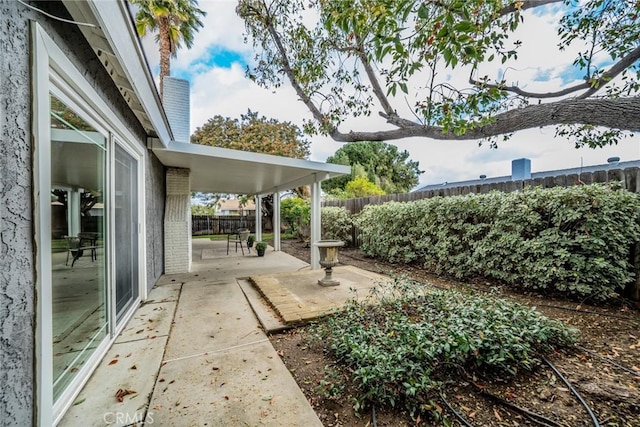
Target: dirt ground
(610,387)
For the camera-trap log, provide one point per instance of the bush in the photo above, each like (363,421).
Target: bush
(296,213)
(575,240)
(337,224)
(403,349)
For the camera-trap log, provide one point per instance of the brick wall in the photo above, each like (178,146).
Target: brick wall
(177,222)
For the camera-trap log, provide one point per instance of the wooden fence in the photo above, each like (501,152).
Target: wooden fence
(208,224)
(629,178)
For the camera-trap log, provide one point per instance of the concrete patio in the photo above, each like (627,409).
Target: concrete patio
(196,352)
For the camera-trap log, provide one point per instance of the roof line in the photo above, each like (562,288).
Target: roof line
(250,156)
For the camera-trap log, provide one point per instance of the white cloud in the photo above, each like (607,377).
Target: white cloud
(227,92)
(223,28)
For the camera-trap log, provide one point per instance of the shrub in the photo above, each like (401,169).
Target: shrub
(403,349)
(575,240)
(337,224)
(296,213)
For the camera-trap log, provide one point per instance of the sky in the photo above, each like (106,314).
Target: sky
(215,67)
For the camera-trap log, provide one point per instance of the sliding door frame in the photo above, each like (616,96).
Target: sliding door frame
(53,72)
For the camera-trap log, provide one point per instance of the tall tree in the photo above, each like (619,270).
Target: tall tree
(253,133)
(367,55)
(176,22)
(382,164)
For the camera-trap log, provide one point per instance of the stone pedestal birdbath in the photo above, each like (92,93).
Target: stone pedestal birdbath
(328,259)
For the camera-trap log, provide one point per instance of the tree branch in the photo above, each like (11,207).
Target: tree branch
(539,95)
(395,120)
(614,71)
(619,113)
(373,79)
(592,86)
(524,5)
(286,66)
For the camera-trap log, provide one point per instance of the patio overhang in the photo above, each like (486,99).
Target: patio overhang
(221,170)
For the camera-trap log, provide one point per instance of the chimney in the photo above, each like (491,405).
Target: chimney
(177,107)
(520,169)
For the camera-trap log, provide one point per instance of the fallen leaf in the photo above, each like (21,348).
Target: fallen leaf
(215,368)
(133,367)
(226,397)
(122,392)
(78,402)
(113,362)
(497,414)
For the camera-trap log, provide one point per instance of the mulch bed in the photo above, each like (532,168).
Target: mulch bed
(610,331)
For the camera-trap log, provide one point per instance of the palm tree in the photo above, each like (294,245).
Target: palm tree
(176,21)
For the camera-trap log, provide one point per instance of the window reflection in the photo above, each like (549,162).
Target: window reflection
(78,161)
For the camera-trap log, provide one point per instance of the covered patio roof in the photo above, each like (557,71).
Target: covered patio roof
(221,170)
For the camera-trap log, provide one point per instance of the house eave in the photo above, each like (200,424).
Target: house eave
(114,39)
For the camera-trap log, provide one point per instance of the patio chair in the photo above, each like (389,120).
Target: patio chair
(239,238)
(89,240)
(73,249)
(77,245)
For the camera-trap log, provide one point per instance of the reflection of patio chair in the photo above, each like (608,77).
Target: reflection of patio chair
(239,238)
(73,248)
(77,245)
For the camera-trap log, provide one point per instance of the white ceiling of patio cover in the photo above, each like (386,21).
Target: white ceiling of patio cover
(220,170)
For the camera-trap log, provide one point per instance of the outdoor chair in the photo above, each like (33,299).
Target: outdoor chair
(239,238)
(77,245)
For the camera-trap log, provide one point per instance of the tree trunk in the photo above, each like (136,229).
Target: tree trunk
(165,52)
(617,113)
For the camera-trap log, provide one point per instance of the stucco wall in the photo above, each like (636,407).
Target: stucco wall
(17,249)
(16,233)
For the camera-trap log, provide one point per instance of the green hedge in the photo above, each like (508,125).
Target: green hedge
(575,240)
(337,224)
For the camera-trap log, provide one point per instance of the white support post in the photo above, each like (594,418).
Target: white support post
(316,228)
(258,230)
(276,221)
(73,212)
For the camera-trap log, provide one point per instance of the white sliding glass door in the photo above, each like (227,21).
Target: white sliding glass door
(89,227)
(78,267)
(126,230)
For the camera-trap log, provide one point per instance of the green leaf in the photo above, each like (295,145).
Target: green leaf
(464,26)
